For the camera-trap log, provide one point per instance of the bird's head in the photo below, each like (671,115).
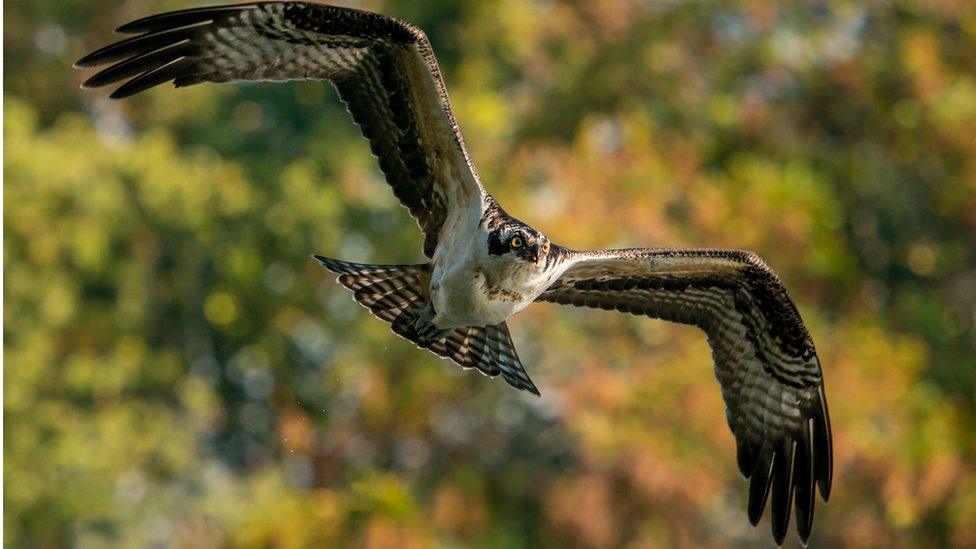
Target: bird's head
(519,241)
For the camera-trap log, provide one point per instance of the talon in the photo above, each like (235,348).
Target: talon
(427,330)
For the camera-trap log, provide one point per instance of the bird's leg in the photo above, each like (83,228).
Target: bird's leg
(424,325)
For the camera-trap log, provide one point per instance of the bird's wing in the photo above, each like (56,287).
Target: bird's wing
(764,358)
(383,68)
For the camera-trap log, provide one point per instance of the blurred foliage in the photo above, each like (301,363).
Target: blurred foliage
(178,372)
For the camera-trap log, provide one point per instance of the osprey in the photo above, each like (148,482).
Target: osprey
(484,265)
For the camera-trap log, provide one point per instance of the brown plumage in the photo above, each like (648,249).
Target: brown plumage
(764,358)
(485,265)
(383,68)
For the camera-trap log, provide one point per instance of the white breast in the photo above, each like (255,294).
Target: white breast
(462,296)
(470,290)
(464,290)
(469,287)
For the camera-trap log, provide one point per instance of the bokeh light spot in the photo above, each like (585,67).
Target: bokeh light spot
(221,308)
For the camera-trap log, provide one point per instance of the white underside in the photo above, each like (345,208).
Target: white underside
(469,287)
(460,298)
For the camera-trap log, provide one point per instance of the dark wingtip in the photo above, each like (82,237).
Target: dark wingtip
(321,260)
(132,27)
(804,524)
(330,265)
(121,93)
(787,475)
(759,485)
(824,489)
(803,472)
(137,26)
(755,510)
(152,22)
(182,18)
(744,457)
(97,81)
(823,448)
(781,503)
(103,55)
(87,61)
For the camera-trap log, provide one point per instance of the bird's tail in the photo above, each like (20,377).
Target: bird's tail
(398,294)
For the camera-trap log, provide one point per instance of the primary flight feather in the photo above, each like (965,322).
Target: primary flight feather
(484,265)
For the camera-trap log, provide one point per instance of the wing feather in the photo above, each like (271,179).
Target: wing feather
(383,69)
(765,360)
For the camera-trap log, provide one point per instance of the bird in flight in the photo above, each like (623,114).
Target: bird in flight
(483,265)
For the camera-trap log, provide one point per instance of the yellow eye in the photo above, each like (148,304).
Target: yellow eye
(545,247)
(516,242)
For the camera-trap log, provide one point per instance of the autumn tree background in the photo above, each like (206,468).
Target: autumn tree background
(177,371)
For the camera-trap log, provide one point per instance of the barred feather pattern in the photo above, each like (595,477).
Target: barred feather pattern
(398,294)
(765,360)
(385,72)
(383,69)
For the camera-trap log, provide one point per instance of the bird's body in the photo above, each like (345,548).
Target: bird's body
(462,294)
(458,289)
(470,286)
(483,266)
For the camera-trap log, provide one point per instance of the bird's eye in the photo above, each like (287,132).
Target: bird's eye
(545,247)
(516,242)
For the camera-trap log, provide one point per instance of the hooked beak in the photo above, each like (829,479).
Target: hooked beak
(533,252)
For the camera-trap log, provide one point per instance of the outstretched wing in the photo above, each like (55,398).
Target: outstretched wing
(764,358)
(383,68)
(398,294)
